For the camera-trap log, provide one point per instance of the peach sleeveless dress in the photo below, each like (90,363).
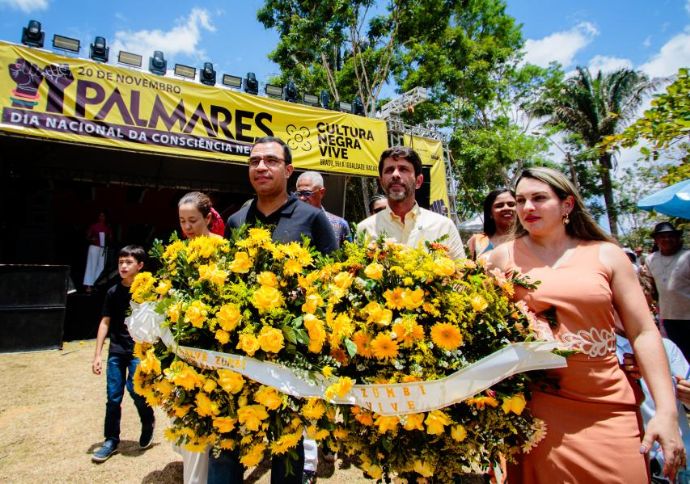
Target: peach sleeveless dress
(592,411)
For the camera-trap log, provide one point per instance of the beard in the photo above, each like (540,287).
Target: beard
(400,193)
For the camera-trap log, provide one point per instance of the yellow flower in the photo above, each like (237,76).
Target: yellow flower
(266,298)
(363,342)
(267,278)
(224,424)
(341,326)
(268,397)
(395,299)
(181,410)
(414,299)
(242,263)
(142,287)
(173,312)
(211,273)
(443,266)
(436,421)
(229,316)
(311,303)
(386,424)
(383,346)
(209,385)
(377,314)
(314,409)
(374,271)
(172,250)
(339,388)
(458,433)
(316,332)
(150,364)
(205,407)
(327,371)
(196,314)
(515,404)
(184,375)
(425,468)
(251,416)
(478,303)
(222,336)
(254,455)
(292,267)
(163,287)
(363,416)
(230,381)
(164,387)
(285,443)
(446,336)
(315,433)
(482,401)
(343,280)
(271,339)
(248,343)
(414,421)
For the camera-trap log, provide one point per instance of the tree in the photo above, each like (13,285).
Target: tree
(665,127)
(593,108)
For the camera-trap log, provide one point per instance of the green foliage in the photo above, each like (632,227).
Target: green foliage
(664,126)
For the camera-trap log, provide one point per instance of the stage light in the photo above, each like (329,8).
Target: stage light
(275,92)
(358,106)
(157,63)
(129,59)
(32,34)
(251,85)
(182,70)
(290,92)
(325,99)
(66,43)
(98,50)
(207,75)
(232,81)
(345,107)
(311,99)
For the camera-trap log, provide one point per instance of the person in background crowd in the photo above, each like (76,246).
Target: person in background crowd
(270,167)
(121,363)
(99,236)
(197,218)
(310,189)
(499,219)
(582,279)
(400,175)
(377,203)
(669,269)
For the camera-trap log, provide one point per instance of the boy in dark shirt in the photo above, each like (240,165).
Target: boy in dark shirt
(121,362)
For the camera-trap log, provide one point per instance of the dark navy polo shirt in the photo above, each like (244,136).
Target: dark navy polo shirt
(289,223)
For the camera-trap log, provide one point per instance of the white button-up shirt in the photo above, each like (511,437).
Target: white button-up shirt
(420,225)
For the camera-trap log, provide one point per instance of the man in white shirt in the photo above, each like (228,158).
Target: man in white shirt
(400,175)
(670,269)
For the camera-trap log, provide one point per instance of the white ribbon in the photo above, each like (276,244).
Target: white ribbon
(144,324)
(384,399)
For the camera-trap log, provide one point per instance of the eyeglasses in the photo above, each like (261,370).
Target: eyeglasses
(304,193)
(269,161)
(378,209)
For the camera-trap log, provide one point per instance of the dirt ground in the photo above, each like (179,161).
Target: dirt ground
(51,420)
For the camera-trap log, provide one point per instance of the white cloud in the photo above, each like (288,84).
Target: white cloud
(608,64)
(673,55)
(687,6)
(26,6)
(184,38)
(560,46)
(647,42)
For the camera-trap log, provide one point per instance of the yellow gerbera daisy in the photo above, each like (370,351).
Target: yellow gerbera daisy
(446,336)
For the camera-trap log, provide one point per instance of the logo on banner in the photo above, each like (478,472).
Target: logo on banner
(298,138)
(28,78)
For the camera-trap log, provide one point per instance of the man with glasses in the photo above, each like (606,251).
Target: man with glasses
(270,167)
(400,175)
(310,189)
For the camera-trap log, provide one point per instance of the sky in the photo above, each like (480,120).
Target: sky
(650,35)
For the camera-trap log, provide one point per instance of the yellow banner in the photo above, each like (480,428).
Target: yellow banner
(78,100)
(431,153)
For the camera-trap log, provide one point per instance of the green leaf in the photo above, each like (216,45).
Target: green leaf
(351,347)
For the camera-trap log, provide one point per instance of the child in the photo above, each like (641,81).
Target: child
(121,363)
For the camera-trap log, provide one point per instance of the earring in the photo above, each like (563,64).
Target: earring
(566,219)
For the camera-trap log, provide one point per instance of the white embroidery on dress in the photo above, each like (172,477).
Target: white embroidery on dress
(593,343)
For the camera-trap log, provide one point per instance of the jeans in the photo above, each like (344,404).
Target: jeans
(119,373)
(227,469)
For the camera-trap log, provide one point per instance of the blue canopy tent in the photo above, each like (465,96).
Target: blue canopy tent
(673,200)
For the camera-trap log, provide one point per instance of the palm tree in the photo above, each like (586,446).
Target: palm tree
(592,108)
